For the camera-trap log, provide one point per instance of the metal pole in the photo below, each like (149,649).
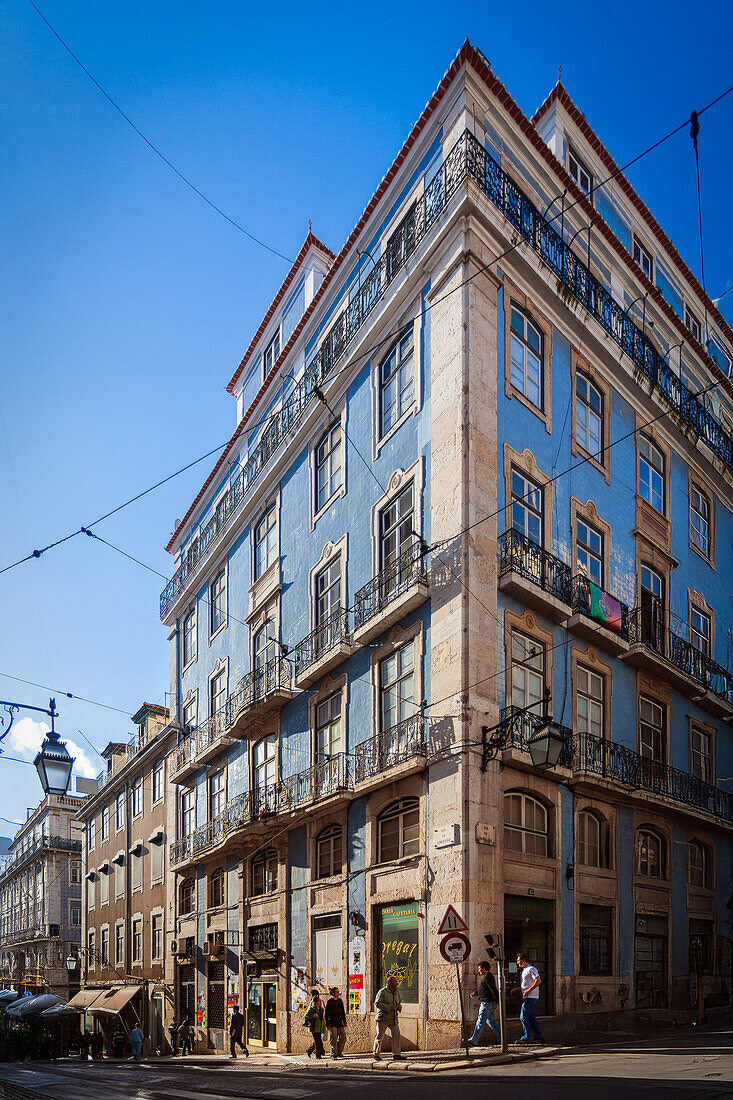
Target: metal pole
(502,1007)
(464,1037)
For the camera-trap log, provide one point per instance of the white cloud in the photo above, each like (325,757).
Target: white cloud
(25,739)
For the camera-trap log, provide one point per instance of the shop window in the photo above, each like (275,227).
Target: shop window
(398,951)
(701,946)
(595,939)
(525,824)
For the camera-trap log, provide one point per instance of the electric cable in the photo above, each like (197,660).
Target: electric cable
(65,694)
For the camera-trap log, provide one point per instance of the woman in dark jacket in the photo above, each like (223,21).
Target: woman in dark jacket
(336,1022)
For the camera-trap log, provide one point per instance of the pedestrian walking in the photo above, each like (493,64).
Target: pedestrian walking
(118,1041)
(85,1043)
(173,1035)
(530,988)
(186,1038)
(388,1005)
(97,1045)
(315,1022)
(336,1022)
(488,996)
(236,1030)
(136,1041)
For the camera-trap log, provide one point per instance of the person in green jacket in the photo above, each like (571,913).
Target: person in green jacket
(388,1005)
(314,1020)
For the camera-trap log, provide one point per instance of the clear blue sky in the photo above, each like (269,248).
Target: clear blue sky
(127,302)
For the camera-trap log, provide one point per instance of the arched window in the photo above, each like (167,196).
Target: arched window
(525,824)
(399,830)
(650,854)
(698,864)
(593,846)
(264,872)
(216,887)
(329,851)
(526,357)
(187,897)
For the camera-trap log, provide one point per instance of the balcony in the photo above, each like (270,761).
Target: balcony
(211,738)
(183,759)
(518,728)
(534,576)
(664,651)
(33,846)
(392,594)
(327,779)
(257,694)
(402,747)
(595,758)
(324,648)
(598,616)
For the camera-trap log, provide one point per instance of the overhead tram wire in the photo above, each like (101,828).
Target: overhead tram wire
(57,693)
(149,143)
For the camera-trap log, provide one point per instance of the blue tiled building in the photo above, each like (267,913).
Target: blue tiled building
(471,500)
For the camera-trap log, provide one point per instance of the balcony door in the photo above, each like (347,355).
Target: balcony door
(396,523)
(653,598)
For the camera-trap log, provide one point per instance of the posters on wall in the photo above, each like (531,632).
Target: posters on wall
(298,989)
(357,954)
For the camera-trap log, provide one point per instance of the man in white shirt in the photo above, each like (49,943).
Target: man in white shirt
(530,984)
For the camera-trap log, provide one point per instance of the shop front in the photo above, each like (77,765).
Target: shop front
(650,962)
(529,928)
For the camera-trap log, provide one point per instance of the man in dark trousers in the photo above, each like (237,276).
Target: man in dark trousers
(488,996)
(236,1028)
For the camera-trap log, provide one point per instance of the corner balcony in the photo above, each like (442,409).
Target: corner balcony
(324,648)
(256,695)
(598,616)
(665,652)
(391,754)
(599,763)
(385,599)
(534,576)
(518,728)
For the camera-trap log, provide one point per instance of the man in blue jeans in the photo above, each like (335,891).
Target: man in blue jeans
(488,996)
(530,986)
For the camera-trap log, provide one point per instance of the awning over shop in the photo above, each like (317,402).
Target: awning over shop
(85,998)
(115,999)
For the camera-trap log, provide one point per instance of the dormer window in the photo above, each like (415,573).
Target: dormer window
(271,353)
(580,173)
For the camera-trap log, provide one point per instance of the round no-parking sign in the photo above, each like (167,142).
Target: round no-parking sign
(455,947)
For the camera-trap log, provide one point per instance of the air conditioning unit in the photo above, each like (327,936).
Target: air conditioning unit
(214,950)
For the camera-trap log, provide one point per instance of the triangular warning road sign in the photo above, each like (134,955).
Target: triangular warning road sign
(451,922)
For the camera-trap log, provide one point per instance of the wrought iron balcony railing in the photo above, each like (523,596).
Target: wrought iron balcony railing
(395,579)
(254,688)
(29,850)
(520,726)
(598,756)
(323,780)
(402,742)
(209,732)
(330,633)
(590,600)
(518,554)
(650,628)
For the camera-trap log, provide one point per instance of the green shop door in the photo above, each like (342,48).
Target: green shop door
(529,927)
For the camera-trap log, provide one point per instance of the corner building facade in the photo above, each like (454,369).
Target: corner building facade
(384,585)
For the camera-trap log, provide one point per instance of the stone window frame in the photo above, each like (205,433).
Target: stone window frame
(398,481)
(341,547)
(650,823)
(159,911)
(712,732)
(698,601)
(133,918)
(375,372)
(579,363)
(588,513)
(317,832)
(192,609)
(605,821)
(652,433)
(398,638)
(120,924)
(551,820)
(527,624)
(525,463)
(269,609)
(513,295)
(329,686)
(269,583)
(379,801)
(159,764)
(192,696)
(221,567)
(661,694)
(222,665)
(609,812)
(709,875)
(589,658)
(703,487)
(656,559)
(272,503)
(328,421)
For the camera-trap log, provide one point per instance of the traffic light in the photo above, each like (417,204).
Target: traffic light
(495,947)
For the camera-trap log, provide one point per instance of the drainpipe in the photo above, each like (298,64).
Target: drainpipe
(465,568)
(128,882)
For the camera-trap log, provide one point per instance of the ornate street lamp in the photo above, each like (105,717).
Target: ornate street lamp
(546,745)
(53,762)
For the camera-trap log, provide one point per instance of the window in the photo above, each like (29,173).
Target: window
(329,848)
(693,324)
(157,861)
(189,715)
(398,830)
(652,590)
(156,936)
(590,702)
(188,812)
(698,864)
(396,524)
(92,833)
(218,602)
(649,854)
(120,811)
(104,888)
(527,507)
(217,794)
(92,949)
(525,824)
(642,257)
(528,672)
(328,728)
(397,687)
(652,740)
(104,946)
(651,474)
(700,521)
(264,873)
(271,353)
(701,945)
(189,638)
(588,416)
(265,541)
(120,945)
(264,763)
(158,773)
(580,173)
(593,846)
(217,692)
(700,630)
(137,941)
(701,755)
(119,879)
(105,823)
(136,869)
(75,871)
(75,914)
(137,797)
(91,891)
(187,897)
(327,949)
(526,358)
(595,939)
(397,387)
(216,888)
(328,466)
(589,550)
(328,591)
(264,645)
